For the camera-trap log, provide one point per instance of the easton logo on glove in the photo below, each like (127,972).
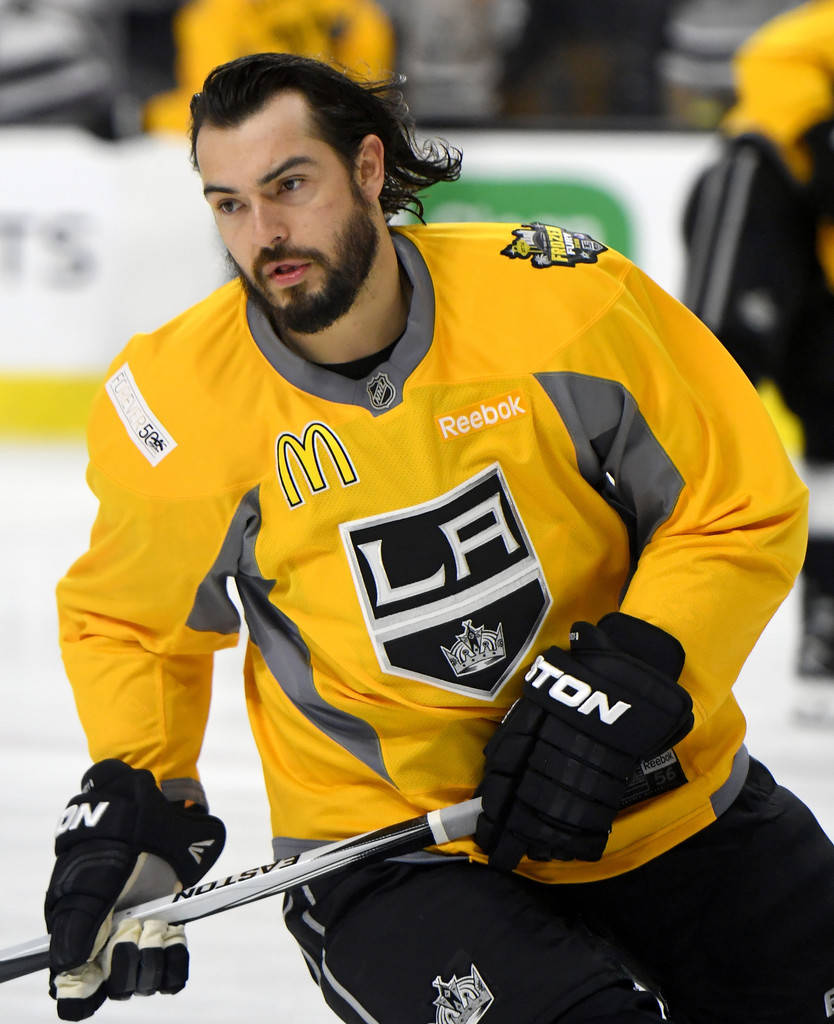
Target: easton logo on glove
(198,849)
(574,692)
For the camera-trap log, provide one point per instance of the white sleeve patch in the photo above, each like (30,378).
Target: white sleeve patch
(143,428)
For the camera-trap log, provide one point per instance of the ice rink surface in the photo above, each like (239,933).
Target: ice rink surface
(244,966)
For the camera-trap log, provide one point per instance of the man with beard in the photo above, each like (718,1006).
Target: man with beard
(504,517)
(301,291)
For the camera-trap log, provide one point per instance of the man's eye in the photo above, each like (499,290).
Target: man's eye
(291,184)
(228,205)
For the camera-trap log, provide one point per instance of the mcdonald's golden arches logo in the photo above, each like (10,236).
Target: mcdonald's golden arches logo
(293,453)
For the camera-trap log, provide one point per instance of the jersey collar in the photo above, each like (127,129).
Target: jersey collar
(382,388)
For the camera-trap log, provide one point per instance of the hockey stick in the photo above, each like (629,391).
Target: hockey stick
(207,898)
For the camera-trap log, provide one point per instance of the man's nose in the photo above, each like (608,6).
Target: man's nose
(270,227)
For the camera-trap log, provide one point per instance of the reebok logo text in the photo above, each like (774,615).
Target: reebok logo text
(477,417)
(574,692)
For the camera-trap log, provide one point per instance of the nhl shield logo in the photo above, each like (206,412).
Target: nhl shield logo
(381,391)
(452,591)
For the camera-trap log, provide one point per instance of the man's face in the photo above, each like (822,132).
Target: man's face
(297,226)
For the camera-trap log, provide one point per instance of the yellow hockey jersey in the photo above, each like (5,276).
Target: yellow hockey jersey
(553,437)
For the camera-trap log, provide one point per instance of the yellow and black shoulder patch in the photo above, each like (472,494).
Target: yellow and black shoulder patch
(548,246)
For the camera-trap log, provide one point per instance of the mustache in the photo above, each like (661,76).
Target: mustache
(281,254)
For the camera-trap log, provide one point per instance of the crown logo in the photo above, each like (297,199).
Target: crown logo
(461,1000)
(474,649)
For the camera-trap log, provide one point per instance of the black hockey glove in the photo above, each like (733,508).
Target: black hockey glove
(557,766)
(120,842)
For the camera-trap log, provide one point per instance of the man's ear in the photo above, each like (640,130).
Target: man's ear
(370,167)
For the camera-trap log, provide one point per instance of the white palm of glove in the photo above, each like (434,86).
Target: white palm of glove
(135,958)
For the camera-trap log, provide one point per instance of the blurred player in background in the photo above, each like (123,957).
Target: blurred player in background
(502,516)
(695,63)
(453,53)
(760,273)
(356,35)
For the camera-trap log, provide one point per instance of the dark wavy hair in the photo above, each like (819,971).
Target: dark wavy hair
(344,111)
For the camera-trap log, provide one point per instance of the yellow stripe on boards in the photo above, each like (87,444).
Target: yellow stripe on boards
(43,405)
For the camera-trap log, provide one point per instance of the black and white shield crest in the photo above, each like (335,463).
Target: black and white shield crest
(381,391)
(452,591)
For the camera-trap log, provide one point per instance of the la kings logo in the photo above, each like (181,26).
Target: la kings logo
(451,590)
(461,1000)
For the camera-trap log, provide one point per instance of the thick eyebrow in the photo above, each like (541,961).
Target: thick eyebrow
(276,172)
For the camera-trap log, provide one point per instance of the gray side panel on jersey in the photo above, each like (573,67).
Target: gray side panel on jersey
(724,797)
(275,635)
(616,451)
(334,387)
(184,789)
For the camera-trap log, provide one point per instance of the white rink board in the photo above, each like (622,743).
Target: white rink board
(98,241)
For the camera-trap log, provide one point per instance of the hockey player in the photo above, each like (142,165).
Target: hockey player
(760,273)
(503,516)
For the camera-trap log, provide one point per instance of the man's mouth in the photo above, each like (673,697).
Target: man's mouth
(285,272)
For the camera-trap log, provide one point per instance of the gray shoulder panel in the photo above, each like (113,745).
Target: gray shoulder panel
(277,637)
(616,451)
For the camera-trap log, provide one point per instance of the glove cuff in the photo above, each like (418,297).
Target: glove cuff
(644,641)
(123,804)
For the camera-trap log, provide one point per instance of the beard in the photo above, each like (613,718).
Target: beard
(345,272)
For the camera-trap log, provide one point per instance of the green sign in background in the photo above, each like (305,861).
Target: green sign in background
(569,204)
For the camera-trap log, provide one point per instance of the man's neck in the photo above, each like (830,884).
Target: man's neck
(377,318)
(356,369)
